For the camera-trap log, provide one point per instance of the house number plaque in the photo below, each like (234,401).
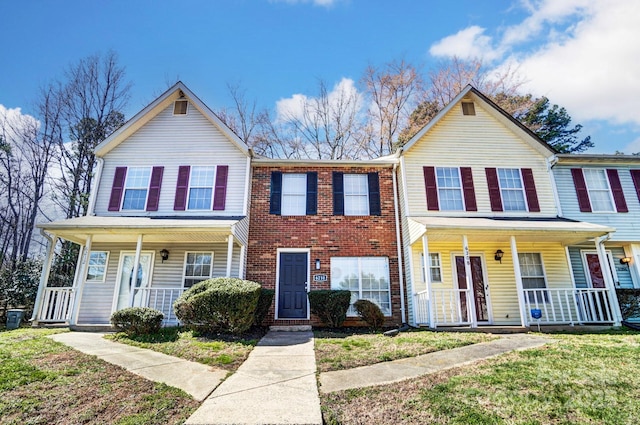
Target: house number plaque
(320,278)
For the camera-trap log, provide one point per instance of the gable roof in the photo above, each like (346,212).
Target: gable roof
(497,112)
(157,106)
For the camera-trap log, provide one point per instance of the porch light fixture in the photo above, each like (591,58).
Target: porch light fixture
(498,255)
(317,264)
(625,260)
(164,254)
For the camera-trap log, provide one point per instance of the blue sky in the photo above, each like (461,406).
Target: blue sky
(582,54)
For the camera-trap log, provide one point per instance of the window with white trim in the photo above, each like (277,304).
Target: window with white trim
(294,194)
(136,188)
(599,190)
(356,194)
(533,277)
(449,189)
(198,266)
(97,270)
(512,189)
(435,267)
(366,277)
(201,188)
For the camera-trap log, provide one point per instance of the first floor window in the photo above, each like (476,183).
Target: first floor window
(136,188)
(435,267)
(97,270)
(532,272)
(366,277)
(294,194)
(201,188)
(198,266)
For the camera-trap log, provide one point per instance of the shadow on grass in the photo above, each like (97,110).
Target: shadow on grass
(172,334)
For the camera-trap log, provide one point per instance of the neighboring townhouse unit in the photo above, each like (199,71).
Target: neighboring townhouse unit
(325,225)
(603,189)
(169,207)
(483,240)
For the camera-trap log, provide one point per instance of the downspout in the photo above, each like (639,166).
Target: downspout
(94,191)
(398,245)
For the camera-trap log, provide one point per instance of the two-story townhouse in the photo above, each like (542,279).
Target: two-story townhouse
(483,240)
(169,209)
(321,224)
(603,189)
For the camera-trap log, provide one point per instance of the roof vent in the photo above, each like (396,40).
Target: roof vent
(468,108)
(180,107)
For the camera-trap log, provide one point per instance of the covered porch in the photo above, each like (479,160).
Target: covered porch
(166,255)
(504,271)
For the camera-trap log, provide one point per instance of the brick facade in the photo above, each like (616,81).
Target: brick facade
(324,234)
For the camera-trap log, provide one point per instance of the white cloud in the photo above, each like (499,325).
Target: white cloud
(322,3)
(467,43)
(13,122)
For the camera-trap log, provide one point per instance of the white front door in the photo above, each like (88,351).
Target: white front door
(125,282)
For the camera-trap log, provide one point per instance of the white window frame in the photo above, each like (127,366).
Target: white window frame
(586,171)
(351,312)
(105,265)
(284,211)
(185,264)
(459,188)
(521,190)
(350,196)
(546,298)
(125,188)
(212,187)
(186,109)
(432,267)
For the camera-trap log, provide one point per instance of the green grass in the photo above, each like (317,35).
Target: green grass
(224,351)
(581,379)
(344,350)
(45,382)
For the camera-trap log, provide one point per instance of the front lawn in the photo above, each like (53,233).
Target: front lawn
(581,379)
(346,348)
(222,351)
(45,382)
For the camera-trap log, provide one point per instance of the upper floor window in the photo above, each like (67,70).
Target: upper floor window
(201,188)
(449,189)
(135,188)
(511,189)
(356,194)
(140,187)
(599,190)
(180,107)
(293,193)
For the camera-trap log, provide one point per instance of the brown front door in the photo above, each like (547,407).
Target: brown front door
(595,270)
(479,293)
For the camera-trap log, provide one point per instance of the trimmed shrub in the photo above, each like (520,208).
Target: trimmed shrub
(264,302)
(629,300)
(221,304)
(370,313)
(330,306)
(137,320)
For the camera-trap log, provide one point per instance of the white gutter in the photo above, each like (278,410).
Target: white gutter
(94,191)
(398,245)
(556,197)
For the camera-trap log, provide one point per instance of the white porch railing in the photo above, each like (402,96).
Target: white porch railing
(161,299)
(57,304)
(447,308)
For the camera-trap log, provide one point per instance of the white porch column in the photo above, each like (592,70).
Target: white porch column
(243,250)
(427,278)
(471,305)
(608,280)
(229,254)
(44,276)
(81,277)
(519,286)
(134,273)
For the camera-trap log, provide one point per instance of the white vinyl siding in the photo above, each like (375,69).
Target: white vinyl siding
(356,194)
(136,188)
(449,189)
(599,190)
(201,188)
(294,194)
(198,266)
(511,189)
(366,278)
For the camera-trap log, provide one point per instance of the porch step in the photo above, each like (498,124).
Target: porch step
(290,328)
(485,329)
(49,325)
(92,328)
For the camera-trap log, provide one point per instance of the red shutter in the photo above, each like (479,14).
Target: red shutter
(431,187)
(635,176)
(530,189)
(581,190)
(117,189)
(494,189)
(154,188)
(616,189)
(220,191)
(180,202)
(468,189)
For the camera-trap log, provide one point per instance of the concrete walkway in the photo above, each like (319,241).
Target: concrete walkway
(413,367)
(195,379)
(275,385)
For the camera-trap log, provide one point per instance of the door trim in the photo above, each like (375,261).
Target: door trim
(485,274)
(116,286)
(587,272)
(277,283)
